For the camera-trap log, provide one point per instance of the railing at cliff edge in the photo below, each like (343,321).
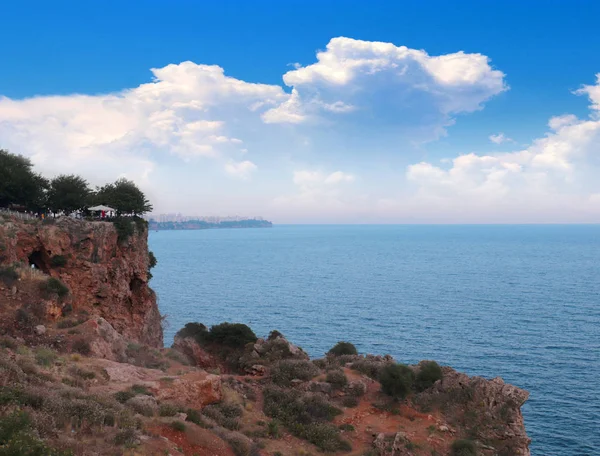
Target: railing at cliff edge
(19,215)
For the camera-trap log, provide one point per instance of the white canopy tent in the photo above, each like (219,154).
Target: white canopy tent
(101,208)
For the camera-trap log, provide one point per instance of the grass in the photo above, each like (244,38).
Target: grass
(45,357)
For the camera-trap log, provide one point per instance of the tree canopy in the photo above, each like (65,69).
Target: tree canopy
(124,196)
(19,184)
(68,194)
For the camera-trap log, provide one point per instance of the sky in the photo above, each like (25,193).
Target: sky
(315,112)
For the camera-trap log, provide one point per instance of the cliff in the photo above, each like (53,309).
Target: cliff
(83,371)
(105,276)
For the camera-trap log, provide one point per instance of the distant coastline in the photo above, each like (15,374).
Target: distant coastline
(204,225)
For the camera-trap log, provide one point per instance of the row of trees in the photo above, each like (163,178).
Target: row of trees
(21,186)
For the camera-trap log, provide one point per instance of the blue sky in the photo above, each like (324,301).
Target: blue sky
(382,144)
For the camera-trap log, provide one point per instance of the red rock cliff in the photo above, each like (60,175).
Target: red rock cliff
(105,276)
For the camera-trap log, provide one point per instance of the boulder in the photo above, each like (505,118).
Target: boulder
(194,390)
(195,354)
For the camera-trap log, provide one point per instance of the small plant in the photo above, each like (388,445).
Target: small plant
(283,372)
(126,437)
(8,275)
(429,373)
(53,286)
(141,389)
(178,426)
(273,429)
(82,346)
(45,357)
(167,410)
(65,324)
(396,380)
(225,414)
(124,396)
(350,401)
(343,348)
(337,378)
(463,447)
(346,427)
(58,261)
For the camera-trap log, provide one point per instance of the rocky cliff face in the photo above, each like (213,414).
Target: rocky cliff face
(106,277)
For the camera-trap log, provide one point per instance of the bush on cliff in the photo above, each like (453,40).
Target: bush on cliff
(8,275)
(54,286)
(306,415)
(343,348)
(58,261)
(283,372)
(397,380)
(429,373)
(234,335)
(463,447)
(124,228)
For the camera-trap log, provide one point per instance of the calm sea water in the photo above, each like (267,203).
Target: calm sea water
(520,302)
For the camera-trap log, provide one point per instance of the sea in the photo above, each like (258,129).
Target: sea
(517,301)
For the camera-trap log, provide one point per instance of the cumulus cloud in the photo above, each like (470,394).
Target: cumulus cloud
(553,173)
(500,138)
(382,83)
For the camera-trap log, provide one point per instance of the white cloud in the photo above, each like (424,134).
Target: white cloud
(500,138)
(241,169)
(554,174)
(378,81)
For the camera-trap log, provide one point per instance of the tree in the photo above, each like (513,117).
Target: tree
(125,197)
(68,193)
(19,185)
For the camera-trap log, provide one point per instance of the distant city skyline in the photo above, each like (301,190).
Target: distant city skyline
(179,217)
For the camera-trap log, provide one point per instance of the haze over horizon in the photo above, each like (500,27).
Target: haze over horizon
(379,113)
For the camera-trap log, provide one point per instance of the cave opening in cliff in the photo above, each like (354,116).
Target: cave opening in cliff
(36,260)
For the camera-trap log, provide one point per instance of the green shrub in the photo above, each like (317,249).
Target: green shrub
(178,426)
(126,437)
(337,378)
(350,401)
(370,366)
(82,346)
(53,286)
(64,324)
(197,331)
(429,373)
(225,414)
(291,406)
(17,438)
(274,335)
(324,436)
(152,261)
(167,410)
(45,357)
(58,261)
(235,335)
(81,373)
(346,427)
(343,348)
(196,417)
(273,429)
(8,275)
(124,396)
(283,372)
(396,380)
(124,228)
(463,447)
(141,389)
(24,319)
